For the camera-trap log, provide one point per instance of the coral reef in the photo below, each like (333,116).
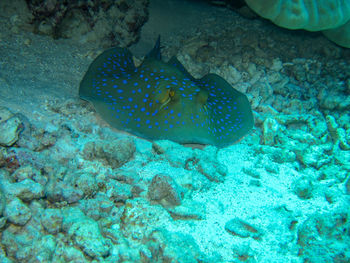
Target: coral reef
(333,17)
(105,23)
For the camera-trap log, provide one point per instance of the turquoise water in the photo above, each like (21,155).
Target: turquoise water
(75,189)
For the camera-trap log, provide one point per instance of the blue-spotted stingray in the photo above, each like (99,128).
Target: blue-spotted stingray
(160,100)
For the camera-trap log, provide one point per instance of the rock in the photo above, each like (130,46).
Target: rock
(44,248)
(337,134)
(17,212)
(66,253)
(52,219)
(211,169)
(5,114)
(342,158)
(86,182)
(97,208)
(177,247)
(119,192)
(164,190)
(188,210)
(314,155)
(25,172)
(90,22)
(238,227)
(71,215)
(270,130)
(321,237)
(333,172)
(10,130)
(58,191)
(86,234)
(2,201)
(115,153)
(139,219)
(303,188)
(26,190)
(251,171)
(277,154)
(331,100)
(20,242)
(347,186)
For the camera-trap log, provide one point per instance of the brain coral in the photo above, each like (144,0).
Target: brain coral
(312,15)
(340,35)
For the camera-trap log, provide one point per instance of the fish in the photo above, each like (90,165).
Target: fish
(161,100)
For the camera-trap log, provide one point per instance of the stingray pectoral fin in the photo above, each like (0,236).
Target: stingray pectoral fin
(229,108)
(112,62)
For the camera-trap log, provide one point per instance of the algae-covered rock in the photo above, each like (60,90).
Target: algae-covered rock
(314,155)
(119,192)
(52,219)
(10,127)
(44,248)
(270,130)
(2,201)
(188,210)
(86,234)
(303,188)
(66,253)
(337,134)
(86,182)
(17,212)
(241,228)
(115,153)
(212,170)
(321,237)
(105,22)
(278,154)
(26,190)
(148,219)
(164,190)
(177,247)
(58,191)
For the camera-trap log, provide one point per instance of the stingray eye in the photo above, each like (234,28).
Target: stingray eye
(162,96)
(165,97)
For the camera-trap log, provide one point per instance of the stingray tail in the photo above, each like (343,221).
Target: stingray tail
(155,52)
